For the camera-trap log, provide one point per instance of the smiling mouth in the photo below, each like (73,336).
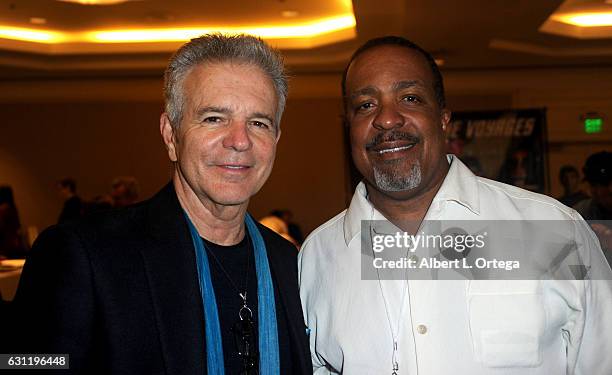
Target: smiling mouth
(387,144)
(235,166)
(394,149)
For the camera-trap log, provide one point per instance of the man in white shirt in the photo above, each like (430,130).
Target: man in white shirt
(395,107)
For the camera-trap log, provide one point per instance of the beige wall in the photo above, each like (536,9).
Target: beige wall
(63,134)
(94,130)
(309,172)
(92,142)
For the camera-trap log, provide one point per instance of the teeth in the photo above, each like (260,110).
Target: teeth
(395,149)
(233,167)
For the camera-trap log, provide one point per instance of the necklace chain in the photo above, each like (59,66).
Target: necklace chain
(242,295)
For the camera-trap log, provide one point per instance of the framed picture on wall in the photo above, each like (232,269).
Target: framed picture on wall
(509,146)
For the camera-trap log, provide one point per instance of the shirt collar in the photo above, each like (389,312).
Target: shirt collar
(460,186)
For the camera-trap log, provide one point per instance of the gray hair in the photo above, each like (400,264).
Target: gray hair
(216,48)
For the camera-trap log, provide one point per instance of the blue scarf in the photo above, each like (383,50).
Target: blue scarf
(269,363)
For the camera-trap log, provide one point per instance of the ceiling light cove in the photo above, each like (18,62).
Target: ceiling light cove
(288,35)
(304,30)
(580,19)
(586,19)
(31,35)
(95,2)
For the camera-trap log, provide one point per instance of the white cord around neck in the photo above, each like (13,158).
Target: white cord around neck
(394,332)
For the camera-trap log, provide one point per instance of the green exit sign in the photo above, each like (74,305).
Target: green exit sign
(593,125)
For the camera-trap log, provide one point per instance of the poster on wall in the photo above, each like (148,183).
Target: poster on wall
(507,145)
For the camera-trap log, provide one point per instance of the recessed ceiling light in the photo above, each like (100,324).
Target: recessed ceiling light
(38,20)
(292,13)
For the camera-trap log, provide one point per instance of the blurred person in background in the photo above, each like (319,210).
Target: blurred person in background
(598,173)
(570,180)
(12,244)
(598,209)
(278,225)
(98,203)
(73,206)
(294,229)
(124,191)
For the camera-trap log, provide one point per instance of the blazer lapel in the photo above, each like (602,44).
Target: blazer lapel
(170,266)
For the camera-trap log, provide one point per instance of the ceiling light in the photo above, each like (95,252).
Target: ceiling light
(586,19)
(304,30)
(293,13)
(38,20)
(30,35)
(95,2)
(300,31)
(289,35)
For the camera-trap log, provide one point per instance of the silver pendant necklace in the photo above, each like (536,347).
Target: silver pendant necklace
(245,312)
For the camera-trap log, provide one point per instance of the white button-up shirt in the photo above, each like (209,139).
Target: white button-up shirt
(495,327)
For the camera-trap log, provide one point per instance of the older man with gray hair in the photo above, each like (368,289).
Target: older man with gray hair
(186,282)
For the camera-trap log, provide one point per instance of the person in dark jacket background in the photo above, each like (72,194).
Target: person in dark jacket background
(73,206)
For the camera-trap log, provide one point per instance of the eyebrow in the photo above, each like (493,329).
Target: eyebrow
(224,110)
(401,85)
(397,86)
(228,111)
(368,90)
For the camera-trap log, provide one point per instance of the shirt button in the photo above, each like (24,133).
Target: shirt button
(414,258)
(422,329)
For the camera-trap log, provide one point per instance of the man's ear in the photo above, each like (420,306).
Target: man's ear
(168,136)
(278,134)
(445,116)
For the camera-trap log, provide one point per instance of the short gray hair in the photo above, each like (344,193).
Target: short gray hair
(216,48)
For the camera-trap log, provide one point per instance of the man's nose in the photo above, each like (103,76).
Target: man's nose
(388,118)
(238,137)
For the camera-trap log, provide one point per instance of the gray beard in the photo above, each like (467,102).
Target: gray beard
(394,179)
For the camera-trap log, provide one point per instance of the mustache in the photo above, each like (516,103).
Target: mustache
(390,137)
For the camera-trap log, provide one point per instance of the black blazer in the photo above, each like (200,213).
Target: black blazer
(119,292)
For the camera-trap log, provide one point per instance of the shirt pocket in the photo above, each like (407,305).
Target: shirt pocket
(507,320)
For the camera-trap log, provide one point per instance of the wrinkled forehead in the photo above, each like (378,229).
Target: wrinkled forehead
(212,79)
(387,65)
(215,72)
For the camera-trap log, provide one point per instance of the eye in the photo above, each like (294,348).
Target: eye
(411,99)
(212,119)
(261,124)
(364,106)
